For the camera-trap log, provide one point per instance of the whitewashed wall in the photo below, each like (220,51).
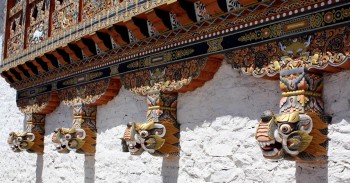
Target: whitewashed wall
(217,138)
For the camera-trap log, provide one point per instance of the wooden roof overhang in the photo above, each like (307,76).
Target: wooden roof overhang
(104,48)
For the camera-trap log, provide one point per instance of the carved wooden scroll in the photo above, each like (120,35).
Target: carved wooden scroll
(35,110)
(84,99)
(159,134)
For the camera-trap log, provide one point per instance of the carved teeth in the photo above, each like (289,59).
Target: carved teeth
(264,144)
(271,153)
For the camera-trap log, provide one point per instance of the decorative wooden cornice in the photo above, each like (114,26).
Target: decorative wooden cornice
(218,40)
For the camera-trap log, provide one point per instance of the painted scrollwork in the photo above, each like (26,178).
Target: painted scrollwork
(155,138)
(87,93)
(292,136)
(321,50)
(169,78)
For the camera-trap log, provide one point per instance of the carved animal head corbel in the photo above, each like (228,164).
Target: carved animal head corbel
(68,139)
(292,136)
(21,141)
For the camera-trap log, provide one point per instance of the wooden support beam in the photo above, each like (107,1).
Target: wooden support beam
(29,70)
(71,53)
(119,34)
(136,30)
(8,78)
(157,21)
(37,65)
(47,61)
(100,41)
(212,7)
(85,48)
(61,58)
(180,13)
(22,75)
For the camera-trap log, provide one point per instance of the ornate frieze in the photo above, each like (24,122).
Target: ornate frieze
(39,21)
(86,93)
(322,50)
(15,41)
(221,27)
(226,24)
(65,15)
(94,8)
(169,78)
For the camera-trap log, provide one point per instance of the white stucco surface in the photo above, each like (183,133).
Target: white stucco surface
(217,138)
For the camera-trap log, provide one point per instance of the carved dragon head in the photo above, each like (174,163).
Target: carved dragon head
(290,134)
(21,141)
(68,139)
(149,136)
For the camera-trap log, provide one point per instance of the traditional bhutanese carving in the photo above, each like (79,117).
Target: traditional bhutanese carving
(299,132)
(15,42)
(301,91)
(201,11)
(322,50)
(32,140)
(34,104)
(168,78)
(65,14)
(82,137)
(93,7)
(35,110)
(39,21)
(159,135)
(83,99)
(18,7)
(302,137)
(87,93)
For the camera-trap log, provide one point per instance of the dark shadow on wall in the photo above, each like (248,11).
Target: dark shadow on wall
(89,169)
(311,172)
(170,170)
(39,168)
